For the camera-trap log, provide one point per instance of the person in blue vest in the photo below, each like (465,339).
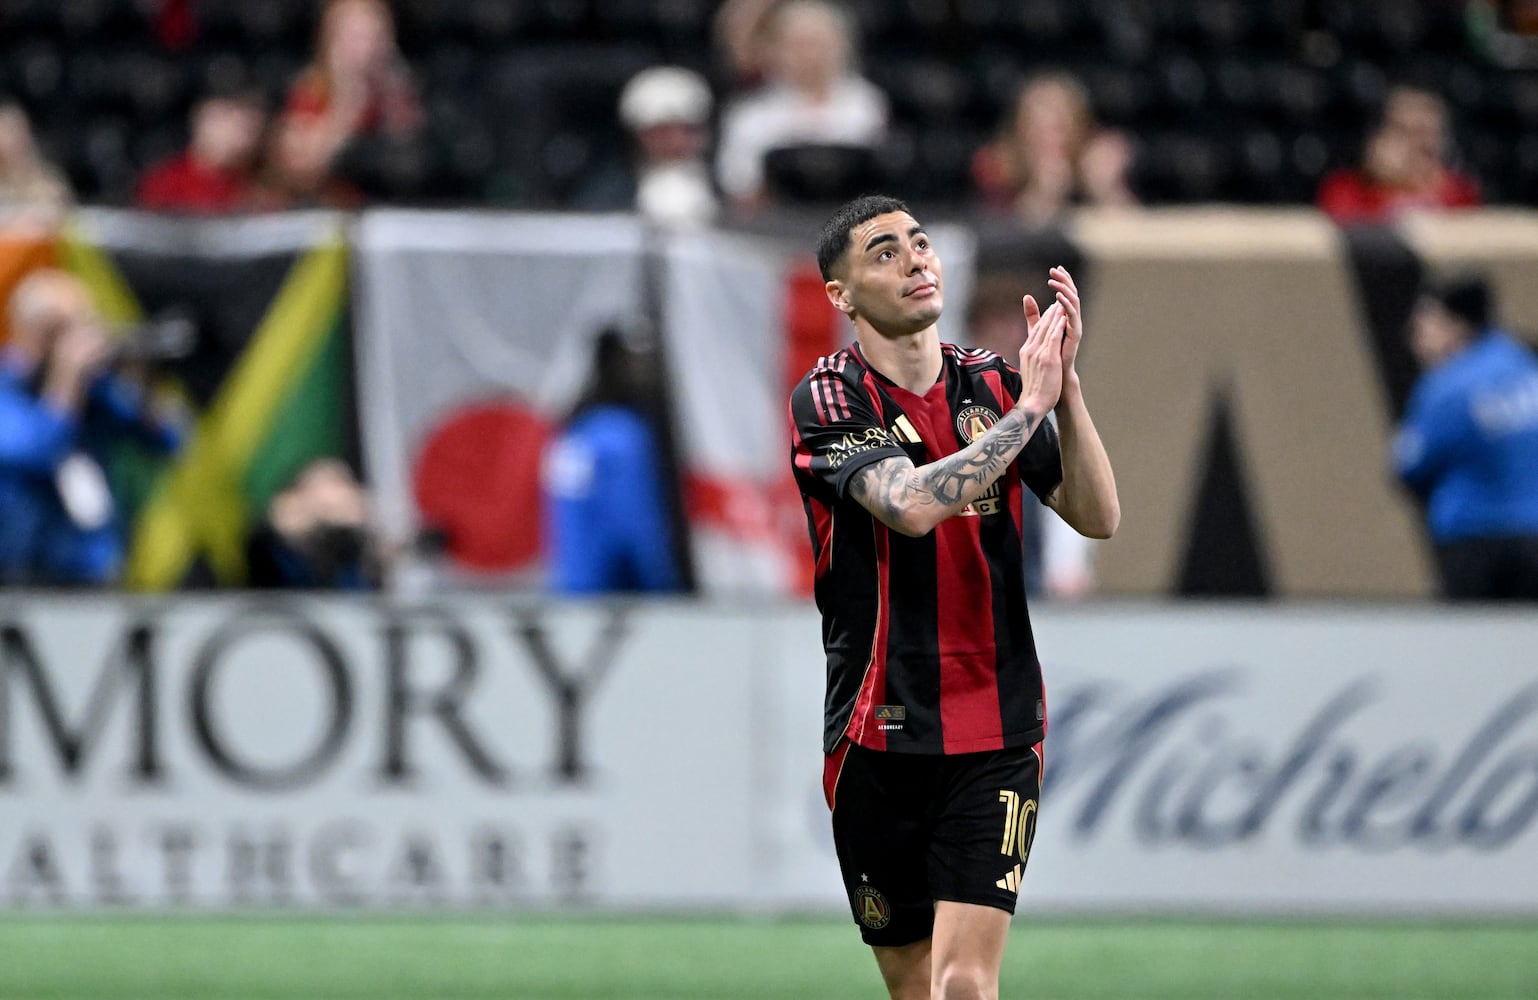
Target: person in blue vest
(1468,444)
(63,408)
(608,524)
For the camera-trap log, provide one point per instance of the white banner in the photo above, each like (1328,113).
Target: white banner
(336,754)
(1284,761)
(333,754)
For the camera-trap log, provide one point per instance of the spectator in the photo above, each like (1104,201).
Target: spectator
(33,195)
(317,534)
(1468,445)
(1051,154)
(215,174)
(297,172)
(740,30)
(356,100)
(813,97)
(1404,165)
(607,519)
(667,110)
(61,409)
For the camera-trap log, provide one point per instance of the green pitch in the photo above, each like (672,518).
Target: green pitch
(732,959)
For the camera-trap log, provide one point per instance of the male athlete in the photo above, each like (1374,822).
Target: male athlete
(911,456)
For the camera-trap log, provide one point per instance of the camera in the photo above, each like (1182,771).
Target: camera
(168,336)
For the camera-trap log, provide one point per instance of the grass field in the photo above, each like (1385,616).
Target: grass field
(593,959)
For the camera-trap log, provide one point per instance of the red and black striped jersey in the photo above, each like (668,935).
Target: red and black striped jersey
(928,640)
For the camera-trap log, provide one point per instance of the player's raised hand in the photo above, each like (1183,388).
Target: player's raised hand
(1062,283)
(1041,356)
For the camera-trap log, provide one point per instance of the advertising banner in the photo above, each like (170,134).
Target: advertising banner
(481,753)
(335,755)
(1268,760)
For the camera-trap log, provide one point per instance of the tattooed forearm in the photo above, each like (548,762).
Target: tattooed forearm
(914,499)
(959,479)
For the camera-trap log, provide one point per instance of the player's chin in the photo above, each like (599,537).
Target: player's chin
(926,310)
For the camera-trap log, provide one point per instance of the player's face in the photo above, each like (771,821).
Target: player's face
(892,276)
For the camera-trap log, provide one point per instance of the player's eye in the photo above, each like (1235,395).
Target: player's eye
(887,255)
(921,243)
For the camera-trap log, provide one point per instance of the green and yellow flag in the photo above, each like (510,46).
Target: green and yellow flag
(268,377)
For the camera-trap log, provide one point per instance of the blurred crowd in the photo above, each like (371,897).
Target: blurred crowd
(786,106)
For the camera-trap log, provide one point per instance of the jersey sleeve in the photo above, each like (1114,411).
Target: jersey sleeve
(835,430)
(1041,460)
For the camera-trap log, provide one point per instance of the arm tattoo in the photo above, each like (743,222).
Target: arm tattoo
(889,487)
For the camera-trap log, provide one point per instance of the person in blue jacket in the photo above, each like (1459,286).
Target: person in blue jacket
(607,517)
(61,408)
(1468,445)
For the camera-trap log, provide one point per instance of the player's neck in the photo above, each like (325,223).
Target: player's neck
(911,360)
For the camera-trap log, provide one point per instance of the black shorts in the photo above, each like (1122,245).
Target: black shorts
(911,829)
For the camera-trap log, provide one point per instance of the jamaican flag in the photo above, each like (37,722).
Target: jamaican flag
(266,374)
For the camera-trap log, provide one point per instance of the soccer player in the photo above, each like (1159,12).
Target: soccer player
(912,457)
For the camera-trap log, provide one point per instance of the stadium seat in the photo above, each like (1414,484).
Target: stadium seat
(1261,169)
(221,70)
(924,91)
(1124,32)
(942,164)
(494,24)
(37,71)
(1182,166)
(816,173)
(273,73)
(557,19)
(1118,94)
(105,159)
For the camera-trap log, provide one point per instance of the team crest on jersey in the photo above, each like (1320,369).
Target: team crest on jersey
(973,422)
(875,912)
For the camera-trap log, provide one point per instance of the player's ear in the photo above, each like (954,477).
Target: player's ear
(839,296)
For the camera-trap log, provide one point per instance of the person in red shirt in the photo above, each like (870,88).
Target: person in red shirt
(1404,166)
(356,87)
(213,175)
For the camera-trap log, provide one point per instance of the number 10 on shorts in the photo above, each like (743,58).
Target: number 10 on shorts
(1019,824)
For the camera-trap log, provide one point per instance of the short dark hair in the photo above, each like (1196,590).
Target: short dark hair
(1467,297)
(834,238)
